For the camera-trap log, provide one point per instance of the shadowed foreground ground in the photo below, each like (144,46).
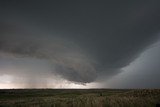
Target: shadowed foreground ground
(79,98)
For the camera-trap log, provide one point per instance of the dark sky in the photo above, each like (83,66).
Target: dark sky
(81,42)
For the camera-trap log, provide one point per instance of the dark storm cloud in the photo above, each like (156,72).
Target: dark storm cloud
(97,38)
(65,59)
(141,73)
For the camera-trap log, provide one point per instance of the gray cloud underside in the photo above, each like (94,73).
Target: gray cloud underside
(94,39)
(141,73)
(64,58)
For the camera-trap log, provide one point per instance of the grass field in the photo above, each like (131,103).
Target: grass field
(79,98)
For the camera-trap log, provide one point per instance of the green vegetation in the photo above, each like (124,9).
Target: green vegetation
(79,98)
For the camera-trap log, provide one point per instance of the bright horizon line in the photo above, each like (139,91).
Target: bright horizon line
(77,88)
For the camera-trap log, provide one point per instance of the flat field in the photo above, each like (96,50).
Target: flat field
(79,97)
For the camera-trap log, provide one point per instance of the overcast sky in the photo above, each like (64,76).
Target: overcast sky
(79,44)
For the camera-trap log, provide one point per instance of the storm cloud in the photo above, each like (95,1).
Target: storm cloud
(82,42)
(64,58)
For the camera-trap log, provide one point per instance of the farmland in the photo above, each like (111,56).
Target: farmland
(79,97)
